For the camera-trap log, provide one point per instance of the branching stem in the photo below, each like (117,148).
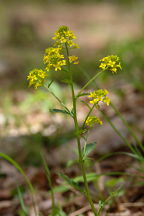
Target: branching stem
(77,131)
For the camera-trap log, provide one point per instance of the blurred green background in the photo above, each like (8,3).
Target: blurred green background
(102,28)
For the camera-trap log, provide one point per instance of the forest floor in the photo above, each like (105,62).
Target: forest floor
(43,132)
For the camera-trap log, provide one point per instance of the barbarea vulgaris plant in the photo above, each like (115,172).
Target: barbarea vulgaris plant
(58,58)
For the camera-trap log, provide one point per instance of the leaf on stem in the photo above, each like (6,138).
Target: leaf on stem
(71,182)
(87,149)
(82,94)
(79,179)
(60,111)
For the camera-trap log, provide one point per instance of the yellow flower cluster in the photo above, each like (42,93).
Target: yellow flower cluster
(65,36)
(111,63)
(53,59)
(73,59)
(91,120)
(36,77)
(99,95)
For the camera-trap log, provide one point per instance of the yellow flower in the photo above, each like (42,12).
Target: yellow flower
(36,77)
(73,59)
(91,120)
(111,63)
(64,36)
(53,59)
(99,96)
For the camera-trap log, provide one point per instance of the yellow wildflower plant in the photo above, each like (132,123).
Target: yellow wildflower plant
(92,120)
(99,95)
(36,77)
(53,59)
(64,36)
(73,59)
(111,63)
(57,58)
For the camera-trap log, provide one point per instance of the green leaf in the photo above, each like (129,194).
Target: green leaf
(90,177)
(63,188)
(87,149)
(71,182)
(49,84)
(101,204)
(60,111)
(117,193)
(57,211)
(19,168)
(113,182)
(71,163)
(24,210)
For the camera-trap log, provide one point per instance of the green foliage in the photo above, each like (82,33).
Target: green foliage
(24,210)
(79,179)
(113,182)
(90,177)
(19,168)
(71,163)
(71,182)
(57,211)
(87,149)
(60,111)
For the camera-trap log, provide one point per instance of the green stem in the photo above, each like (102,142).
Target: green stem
(89,82)
(48,174)
(80,154)
(91,109)
(61,103)
(121,136)
(121,117)
(81,162)
(22,204)
(127,125)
